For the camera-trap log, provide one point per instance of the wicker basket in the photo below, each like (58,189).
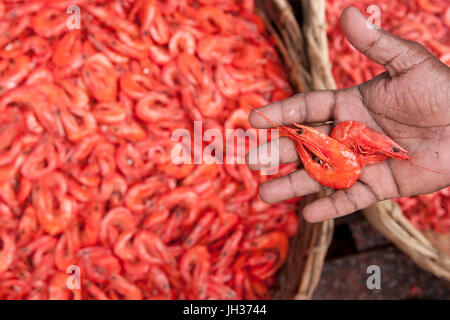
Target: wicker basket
(429,250)
(305,53)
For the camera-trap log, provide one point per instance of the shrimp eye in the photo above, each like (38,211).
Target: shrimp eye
(299,131)
(395,149)
(316,159)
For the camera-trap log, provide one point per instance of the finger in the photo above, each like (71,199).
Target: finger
(295,184)
(315,106)
(275,152)
(272,154)
(395,54)
(340,203)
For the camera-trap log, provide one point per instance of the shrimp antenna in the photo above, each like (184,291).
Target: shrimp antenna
(265,117)
(424,168)
(427,169)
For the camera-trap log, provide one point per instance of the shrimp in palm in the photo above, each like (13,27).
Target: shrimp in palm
(369,145)
(325,159)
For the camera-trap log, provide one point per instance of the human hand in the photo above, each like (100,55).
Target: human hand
(410,103)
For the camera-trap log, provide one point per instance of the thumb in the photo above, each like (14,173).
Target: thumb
(395,54)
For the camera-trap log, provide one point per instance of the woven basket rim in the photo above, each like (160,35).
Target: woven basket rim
(387,217)
(305,53)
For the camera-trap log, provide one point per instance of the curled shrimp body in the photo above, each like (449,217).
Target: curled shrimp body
(111,19)
(41,161)
(116,229)
(326,160)
(270,251)
(230,249)
(136,85)
(117,223)
(49,22)
(145,12)
(151,249)
(73,96)
(126,289)
(100,77)
(28,224)
(225,83)
(58,290)
(98,263)
(181,40)
(109,112)
(182,201)
(11,144)
(369,145)
(66,248)
(215,48)
(39,250)
(129,130)
(190,68)
(38,75)
(140,196)
(159,31)
(8,34)
(211,102)
(214,20)
(54,212)
(131,163)
(92,213)
(153,107)
(159,55)
(7,252)
(38,47)
(200,229)
(223,225)
(20,190)
(68,50)
(105,42)
(113,188)
(159,283)
(13,71)
(74,129)
(194,269)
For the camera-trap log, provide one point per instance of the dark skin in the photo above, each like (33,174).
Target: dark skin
(410,103)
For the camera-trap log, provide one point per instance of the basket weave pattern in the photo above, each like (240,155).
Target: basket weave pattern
(305,55)
(428,250)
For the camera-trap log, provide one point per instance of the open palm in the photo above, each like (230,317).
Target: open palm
(410,103)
